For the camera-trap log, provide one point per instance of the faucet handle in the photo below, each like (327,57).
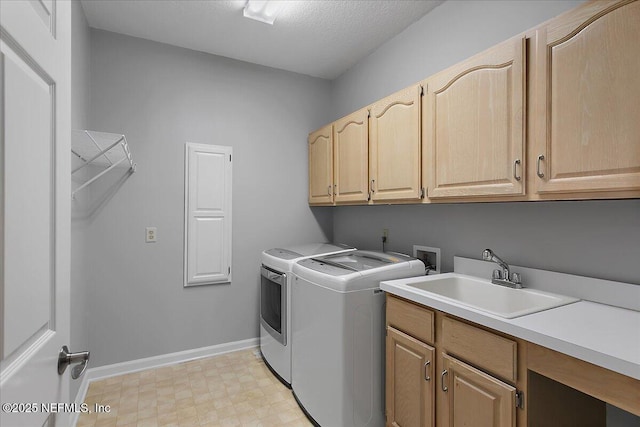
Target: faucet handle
(516,278)
(497,274)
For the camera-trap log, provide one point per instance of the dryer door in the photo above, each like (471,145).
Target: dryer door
(273,303)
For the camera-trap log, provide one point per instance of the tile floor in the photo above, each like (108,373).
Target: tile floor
(233,389)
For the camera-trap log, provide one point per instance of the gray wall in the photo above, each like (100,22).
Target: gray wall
(450,33)
(160,97)
(80,87)
(592,238)
(588,238)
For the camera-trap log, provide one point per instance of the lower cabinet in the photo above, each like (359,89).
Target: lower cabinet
(447,372)
(474,398)
(462,375)
(409,383)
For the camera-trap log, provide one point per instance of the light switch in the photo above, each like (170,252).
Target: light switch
(152,234)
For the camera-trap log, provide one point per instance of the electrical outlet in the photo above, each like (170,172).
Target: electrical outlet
(151,234)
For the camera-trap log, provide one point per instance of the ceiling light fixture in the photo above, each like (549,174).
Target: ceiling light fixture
(263,10)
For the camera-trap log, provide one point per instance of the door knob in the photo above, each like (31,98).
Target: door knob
(65,358)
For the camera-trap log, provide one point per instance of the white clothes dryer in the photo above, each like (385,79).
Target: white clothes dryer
(275,302)
(338,335)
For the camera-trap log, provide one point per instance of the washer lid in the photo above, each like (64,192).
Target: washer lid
(310,249)
(356,261)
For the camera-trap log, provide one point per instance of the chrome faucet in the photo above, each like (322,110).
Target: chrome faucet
(504,277)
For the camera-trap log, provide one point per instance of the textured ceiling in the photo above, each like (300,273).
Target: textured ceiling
(320,38)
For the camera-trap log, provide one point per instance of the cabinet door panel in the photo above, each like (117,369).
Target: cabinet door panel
(321,166)
(410,387)
(588,72)
(394,161)
(475,398)
(474,125)
(351,158)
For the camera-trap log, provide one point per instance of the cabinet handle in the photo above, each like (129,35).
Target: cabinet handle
(540,158)
(444,387)
(515,170)
(329,190)
(426,376)
(372,182)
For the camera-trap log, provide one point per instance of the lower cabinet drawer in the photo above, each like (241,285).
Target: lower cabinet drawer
(492,353)
(411,319)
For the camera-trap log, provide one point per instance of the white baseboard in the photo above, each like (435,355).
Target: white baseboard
(102,372)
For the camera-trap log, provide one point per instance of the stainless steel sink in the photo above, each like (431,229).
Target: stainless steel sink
(485,296)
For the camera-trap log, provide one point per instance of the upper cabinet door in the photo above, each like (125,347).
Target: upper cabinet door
(474,125)
(351,158)
(588,100)
(394,149)
(321,166)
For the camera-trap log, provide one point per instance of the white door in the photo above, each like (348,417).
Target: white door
(35,184)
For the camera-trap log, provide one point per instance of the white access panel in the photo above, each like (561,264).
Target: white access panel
(207,214)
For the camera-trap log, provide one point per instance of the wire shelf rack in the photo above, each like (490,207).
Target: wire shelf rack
(104,150)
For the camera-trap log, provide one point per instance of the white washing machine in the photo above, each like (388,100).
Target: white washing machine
(338,335)
(275,301)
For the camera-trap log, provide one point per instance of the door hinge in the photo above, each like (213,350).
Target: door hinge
(229,270)
(421,90)
(229,157)
(520,399)
(423,193)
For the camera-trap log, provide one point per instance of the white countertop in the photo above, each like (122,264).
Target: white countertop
(601,334)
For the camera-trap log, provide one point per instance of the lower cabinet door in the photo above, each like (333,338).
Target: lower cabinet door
(410,386)
(474,398)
